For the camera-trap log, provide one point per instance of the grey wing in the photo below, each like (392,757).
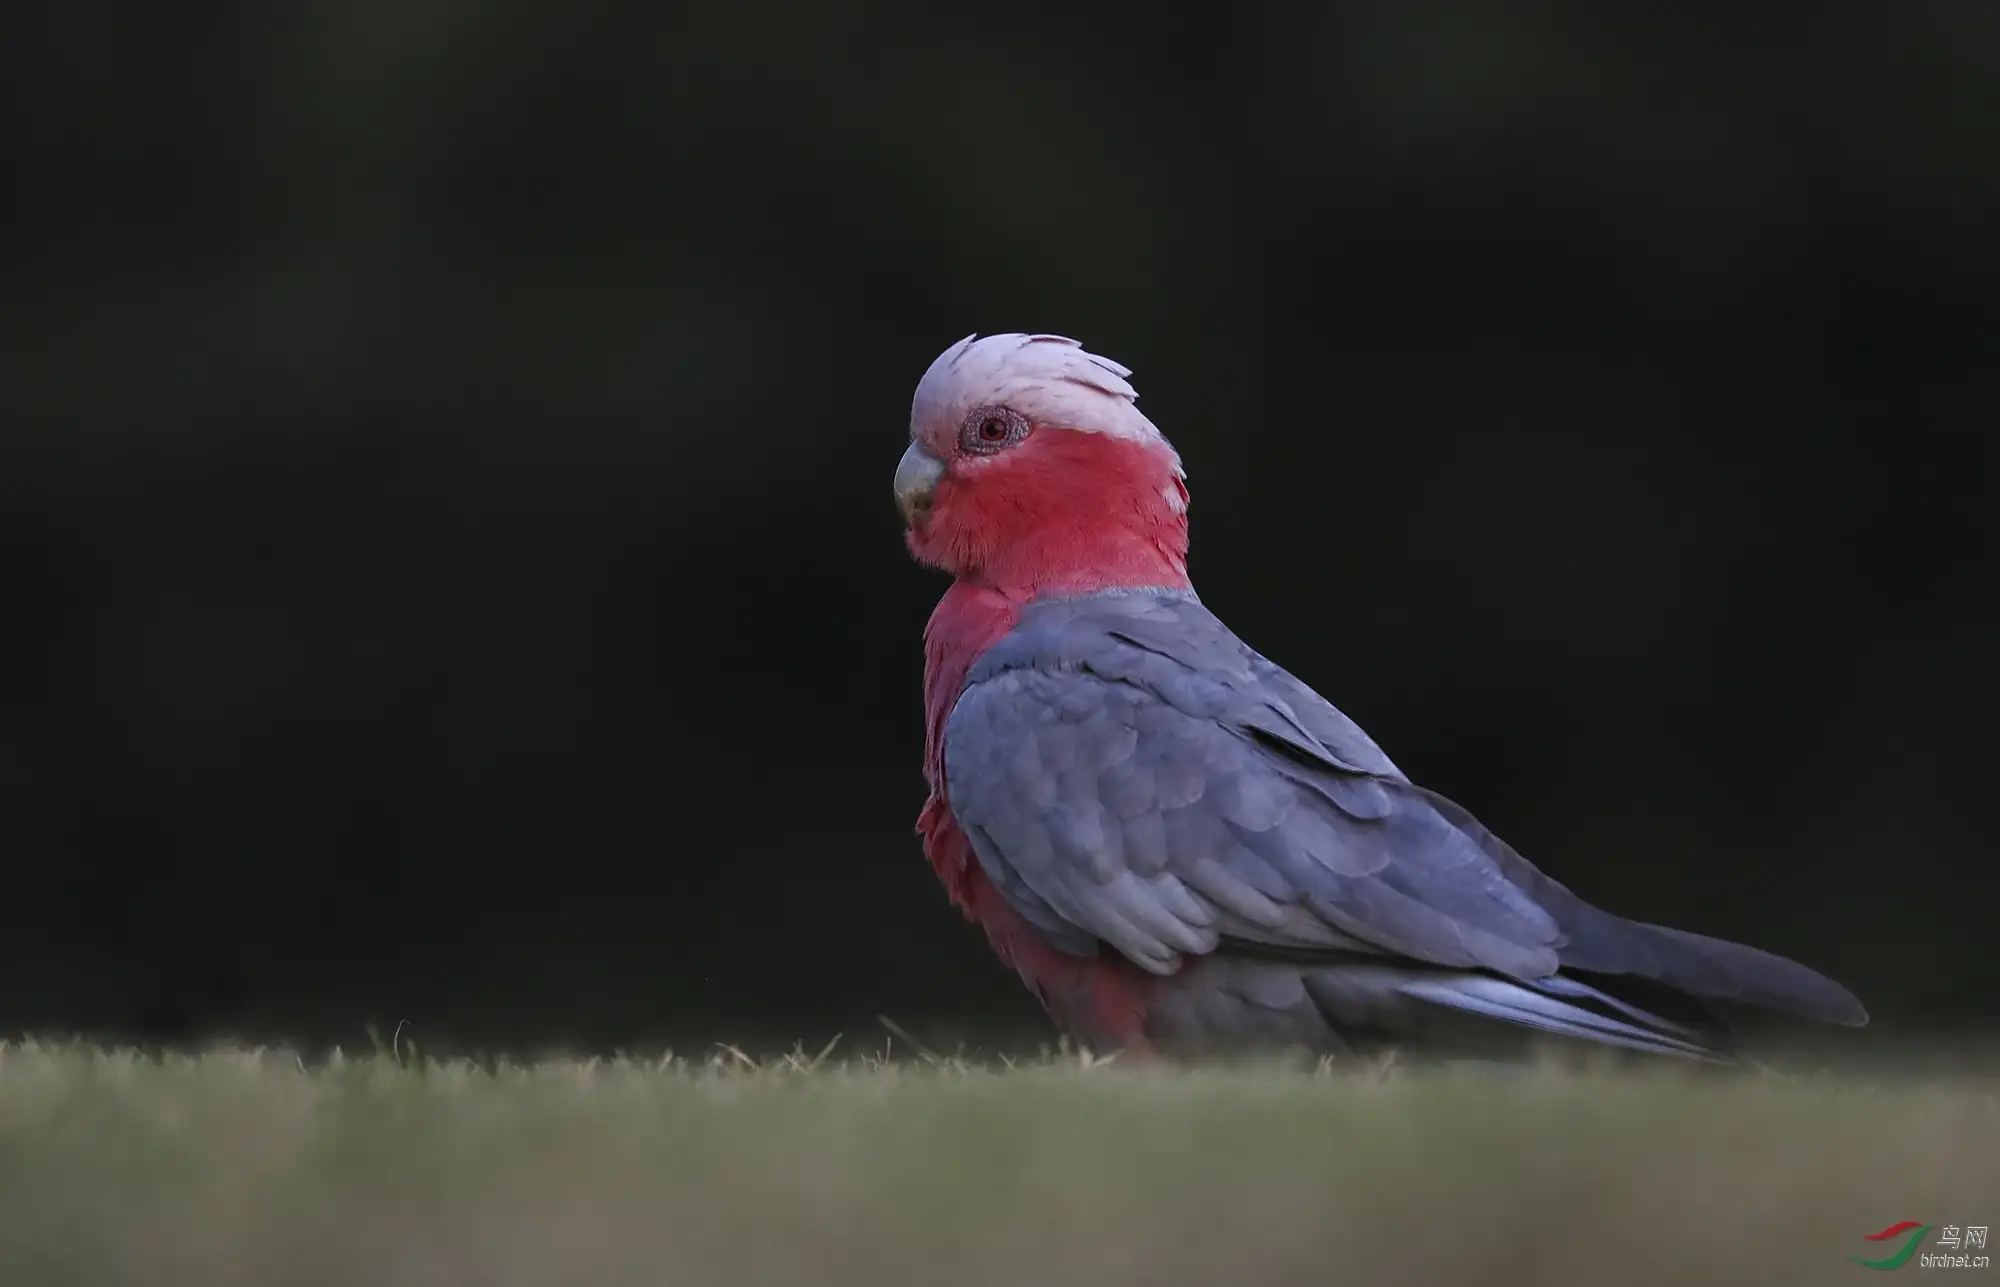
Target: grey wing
(1125,797)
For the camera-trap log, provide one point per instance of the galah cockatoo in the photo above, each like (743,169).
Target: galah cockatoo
(1180,847)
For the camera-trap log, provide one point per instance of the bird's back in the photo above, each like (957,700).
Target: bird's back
(1134,781)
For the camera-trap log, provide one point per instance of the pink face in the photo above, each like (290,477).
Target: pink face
(1000,496)
(958,454)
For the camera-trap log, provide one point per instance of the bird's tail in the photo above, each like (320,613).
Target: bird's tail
(1718,970)
(1356,1005)
(1568,1008)
(1598,942)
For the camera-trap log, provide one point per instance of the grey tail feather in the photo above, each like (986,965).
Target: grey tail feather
(1601,942)
(1750,976)
(1550,1005)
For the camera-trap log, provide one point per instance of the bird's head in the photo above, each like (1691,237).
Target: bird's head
(1032,470)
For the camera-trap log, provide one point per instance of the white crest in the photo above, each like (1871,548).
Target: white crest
(1050,379)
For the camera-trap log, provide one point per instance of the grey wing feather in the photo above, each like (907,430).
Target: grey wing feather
(1128,769)
(1131,773)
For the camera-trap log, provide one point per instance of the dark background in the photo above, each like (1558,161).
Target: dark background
(445,516)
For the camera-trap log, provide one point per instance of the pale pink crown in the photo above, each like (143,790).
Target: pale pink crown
(1050,379)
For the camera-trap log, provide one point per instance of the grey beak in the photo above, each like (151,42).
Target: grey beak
(917,475)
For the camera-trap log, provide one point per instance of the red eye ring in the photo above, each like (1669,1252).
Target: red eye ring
(989,429)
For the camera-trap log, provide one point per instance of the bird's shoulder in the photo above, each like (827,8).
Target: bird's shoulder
(1165,643)
(1128,771)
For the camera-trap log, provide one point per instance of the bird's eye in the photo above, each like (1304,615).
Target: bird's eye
(988,429)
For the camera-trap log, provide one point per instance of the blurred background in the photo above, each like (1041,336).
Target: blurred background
(445,454)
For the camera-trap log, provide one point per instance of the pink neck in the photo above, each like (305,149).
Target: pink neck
(976,612)
(1072,562)
(968,620)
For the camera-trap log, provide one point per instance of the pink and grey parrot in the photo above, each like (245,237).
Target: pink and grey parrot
(1180,847)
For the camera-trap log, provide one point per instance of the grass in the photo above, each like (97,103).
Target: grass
(247,1167)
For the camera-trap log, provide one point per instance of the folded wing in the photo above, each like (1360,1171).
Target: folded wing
(1130,773)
